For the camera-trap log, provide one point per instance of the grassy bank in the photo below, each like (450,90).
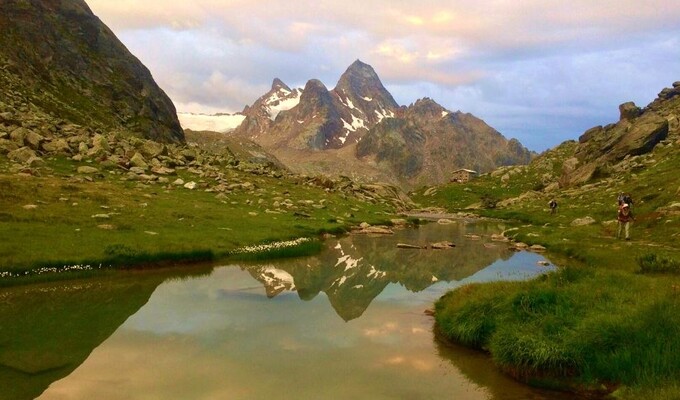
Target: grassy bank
(57,219)
(607,322)
(578,329)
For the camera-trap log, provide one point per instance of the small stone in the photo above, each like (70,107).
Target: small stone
(87,170)
(190,185)
(30,207)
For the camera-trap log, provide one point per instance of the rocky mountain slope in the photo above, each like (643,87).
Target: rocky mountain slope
(426,142)
(60,64)
(357,129)
(637,154)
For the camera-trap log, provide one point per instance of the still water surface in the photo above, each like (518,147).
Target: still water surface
(348,323)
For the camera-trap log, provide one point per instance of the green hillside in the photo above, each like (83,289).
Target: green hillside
(607,322)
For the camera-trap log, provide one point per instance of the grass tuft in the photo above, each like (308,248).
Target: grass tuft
(654,263)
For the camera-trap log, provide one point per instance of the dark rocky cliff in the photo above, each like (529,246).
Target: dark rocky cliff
(58,58)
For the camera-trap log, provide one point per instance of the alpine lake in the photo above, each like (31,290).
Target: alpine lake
(347,323)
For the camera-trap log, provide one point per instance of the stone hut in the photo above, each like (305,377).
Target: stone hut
(463,175)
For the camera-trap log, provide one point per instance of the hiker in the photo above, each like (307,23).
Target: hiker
(625,217)
(553,206)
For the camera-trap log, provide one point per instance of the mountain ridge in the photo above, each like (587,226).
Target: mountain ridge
(335,122)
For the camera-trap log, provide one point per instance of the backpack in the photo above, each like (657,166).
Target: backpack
(628,199)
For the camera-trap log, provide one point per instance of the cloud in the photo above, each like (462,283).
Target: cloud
(504,61)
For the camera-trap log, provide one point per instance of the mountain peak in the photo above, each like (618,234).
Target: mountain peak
(357,77)
(278,84)
(360,65)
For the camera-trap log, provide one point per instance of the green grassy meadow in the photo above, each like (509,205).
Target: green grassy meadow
(606,323)
(59,218)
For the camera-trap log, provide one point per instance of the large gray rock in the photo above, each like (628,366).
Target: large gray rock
(629,111)
(138,161)
(151,149)
(85,169)
(33,140)
(18,136)
(583,221)
(21,155)
(57,146)
(7,145)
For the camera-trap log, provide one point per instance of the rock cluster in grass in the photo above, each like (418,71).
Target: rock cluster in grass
(29,136)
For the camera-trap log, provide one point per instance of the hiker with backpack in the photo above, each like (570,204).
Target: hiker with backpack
(625,217)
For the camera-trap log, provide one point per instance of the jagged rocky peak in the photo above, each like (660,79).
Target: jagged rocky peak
(361,80)
(66,62)
(429,107)
(278,84)
(314,95)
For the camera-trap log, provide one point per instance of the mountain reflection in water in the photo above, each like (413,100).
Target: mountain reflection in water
(263,331)
(354,270)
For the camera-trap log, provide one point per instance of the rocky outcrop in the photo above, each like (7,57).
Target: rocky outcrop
(219,170)
(637,132)
(59,61)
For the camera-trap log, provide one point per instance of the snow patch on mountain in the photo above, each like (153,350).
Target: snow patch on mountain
(282,100)
(382,114)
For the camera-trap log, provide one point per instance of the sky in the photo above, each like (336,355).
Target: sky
(540,71)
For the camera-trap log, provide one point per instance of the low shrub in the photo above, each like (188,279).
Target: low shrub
(653,263)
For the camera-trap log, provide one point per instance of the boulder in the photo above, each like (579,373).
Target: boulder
(21,155)
(33,140)
(56,146)
(151,149)
(7,146)
(87,170)
(83,148)
(499,238)
(375,230)
(18,136)
(629,111)
(583,221)
(138,161)
(100,146)
(189,154)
